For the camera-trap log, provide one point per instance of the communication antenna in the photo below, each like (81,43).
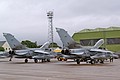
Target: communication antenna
(50,27)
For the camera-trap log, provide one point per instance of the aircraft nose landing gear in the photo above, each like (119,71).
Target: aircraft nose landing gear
(35,60)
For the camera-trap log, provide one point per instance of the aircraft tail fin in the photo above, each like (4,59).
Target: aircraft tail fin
(13,42)
(66,39)
(99,43)
(45,46)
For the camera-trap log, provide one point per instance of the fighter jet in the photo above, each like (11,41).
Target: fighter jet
(22,51)
(73,50)
(104,55)
(4,55)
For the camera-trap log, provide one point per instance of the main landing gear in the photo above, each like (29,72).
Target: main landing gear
(26,60)
(78,61)
(35,60)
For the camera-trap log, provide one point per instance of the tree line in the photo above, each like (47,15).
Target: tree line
(31,44)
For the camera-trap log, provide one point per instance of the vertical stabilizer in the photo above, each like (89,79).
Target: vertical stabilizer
(13,42)
(99,43)
(66,39)
(45,46)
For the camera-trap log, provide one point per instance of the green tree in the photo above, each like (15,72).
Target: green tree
(2,49)
(29,44)
(54,45)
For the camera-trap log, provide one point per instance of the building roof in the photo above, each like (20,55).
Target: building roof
(100,29)
(1,43)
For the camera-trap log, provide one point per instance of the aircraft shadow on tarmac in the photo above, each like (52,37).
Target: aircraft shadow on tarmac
(85,64)
(33,62)
(4,61)
(28,63)
(72,63)
(63,63)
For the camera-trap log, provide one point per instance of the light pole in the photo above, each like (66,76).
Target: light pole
(50,27)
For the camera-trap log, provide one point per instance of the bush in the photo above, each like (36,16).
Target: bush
(2,49)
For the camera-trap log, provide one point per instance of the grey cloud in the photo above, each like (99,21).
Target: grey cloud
(27,19)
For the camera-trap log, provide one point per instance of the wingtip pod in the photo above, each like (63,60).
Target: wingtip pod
(5,34)
(59,29)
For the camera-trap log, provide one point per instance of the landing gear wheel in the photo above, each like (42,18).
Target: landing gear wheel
(43,60)
(65,59)
(35,60)
(102,61)
(26,60)
(60,59)
(48,60)
(78,61)
(92,61)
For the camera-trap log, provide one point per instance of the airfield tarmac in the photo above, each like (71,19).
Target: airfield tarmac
(54,70)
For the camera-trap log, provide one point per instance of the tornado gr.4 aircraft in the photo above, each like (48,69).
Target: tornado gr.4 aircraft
(73,50)
(103,54)
(21,51)
(4,55)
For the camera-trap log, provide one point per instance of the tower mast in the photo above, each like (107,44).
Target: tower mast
(50,27)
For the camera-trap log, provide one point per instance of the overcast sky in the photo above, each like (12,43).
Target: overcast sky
(27,19)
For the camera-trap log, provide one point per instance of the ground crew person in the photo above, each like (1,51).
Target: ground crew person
(11,54)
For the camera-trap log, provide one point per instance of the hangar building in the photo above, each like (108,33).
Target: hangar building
(88,37)
(5,45)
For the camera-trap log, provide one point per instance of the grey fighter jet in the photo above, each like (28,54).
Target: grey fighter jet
(22,51)
(4,55)
(73,50)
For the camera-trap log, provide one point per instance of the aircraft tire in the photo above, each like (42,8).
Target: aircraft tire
(48,60)
(42,60)
(102,61)
(92,61)
(78,61)
(35,60)
(26,60)
(65,59)
(60,59)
